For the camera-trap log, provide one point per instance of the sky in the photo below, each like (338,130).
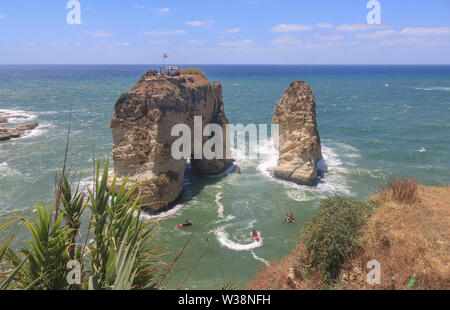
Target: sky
(225,32)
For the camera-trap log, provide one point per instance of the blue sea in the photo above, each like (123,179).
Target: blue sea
(376,123)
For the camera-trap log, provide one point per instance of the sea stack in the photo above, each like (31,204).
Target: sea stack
(142,125)
(299,140)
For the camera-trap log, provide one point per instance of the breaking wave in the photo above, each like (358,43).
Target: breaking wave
(333,182)
(21,116)
(224,239)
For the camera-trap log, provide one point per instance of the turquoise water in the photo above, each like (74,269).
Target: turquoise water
(370,134)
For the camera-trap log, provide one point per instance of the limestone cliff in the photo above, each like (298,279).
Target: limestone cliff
(141,128)
(299,143)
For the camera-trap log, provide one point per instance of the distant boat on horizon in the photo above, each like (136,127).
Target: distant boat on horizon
(386,84)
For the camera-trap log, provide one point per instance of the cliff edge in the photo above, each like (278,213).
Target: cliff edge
(409,239)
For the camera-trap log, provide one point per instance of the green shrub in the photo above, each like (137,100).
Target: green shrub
(123,98)
(332,235)
(192,71)
(148,74)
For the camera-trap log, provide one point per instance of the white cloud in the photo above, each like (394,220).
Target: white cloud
(291,28)
(358,27)
(286,40)
(2,16)
(242,43)
(329,37)
(309,46)
(58,43)
(164,32)
(192,42)
(409,33)
(162,11)
(324,25)
(100,34)
(413,41)
(122,44)
(137,6)
(439,31)
(376,35)
(159,42)
(200,23)
(234,30)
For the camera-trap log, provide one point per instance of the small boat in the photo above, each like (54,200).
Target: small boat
(255,236)
(289,218)
(187,224)
(386,84)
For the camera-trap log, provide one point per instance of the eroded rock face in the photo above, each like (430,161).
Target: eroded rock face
(299,143)
(142,125)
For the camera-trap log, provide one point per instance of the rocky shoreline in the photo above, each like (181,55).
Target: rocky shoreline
(11,133)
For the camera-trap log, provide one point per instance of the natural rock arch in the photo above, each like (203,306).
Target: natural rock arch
(144,118)
(141,128)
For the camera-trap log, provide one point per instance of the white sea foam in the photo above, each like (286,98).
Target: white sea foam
(175,211)
(433,88)
(25,116)
(6,170)
(225,241)
(259,258)
(270,158)
(220,209)
(38,131)
(333,182)
(224,238)
(422,150)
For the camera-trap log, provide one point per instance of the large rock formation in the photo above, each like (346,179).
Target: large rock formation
(142,125)
(299,143)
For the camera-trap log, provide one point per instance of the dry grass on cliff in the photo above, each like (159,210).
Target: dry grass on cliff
(401,190)
(416,242)
(288,274)
(410,240)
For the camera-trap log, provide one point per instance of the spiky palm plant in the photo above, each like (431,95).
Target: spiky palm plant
(119,256)
(119,229)
(44,260)
(7,275)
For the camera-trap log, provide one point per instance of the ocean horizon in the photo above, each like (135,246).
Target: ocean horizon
(376,122)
